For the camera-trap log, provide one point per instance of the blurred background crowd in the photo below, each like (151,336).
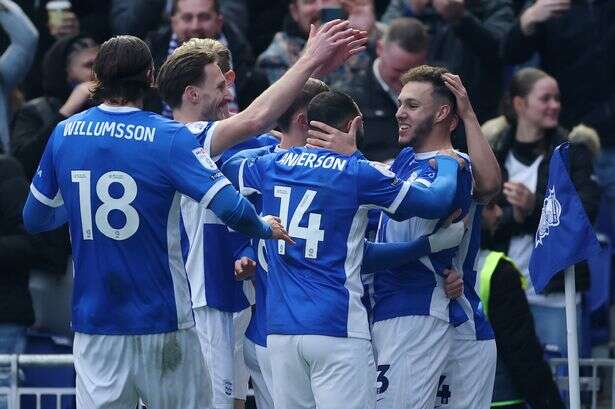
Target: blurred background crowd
(538,74)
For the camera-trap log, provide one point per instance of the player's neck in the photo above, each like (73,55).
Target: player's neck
(435,141)
(290,140)
(186,116)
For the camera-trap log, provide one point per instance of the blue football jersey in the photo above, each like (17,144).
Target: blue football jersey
(257,327)
(323,198)
(466,312)
(417,287)
(120,172)
(209,246)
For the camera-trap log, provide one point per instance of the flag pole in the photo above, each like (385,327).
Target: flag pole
(573,345)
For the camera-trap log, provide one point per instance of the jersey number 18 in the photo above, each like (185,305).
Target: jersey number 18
(109,203)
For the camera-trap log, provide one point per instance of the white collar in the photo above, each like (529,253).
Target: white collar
(118,109)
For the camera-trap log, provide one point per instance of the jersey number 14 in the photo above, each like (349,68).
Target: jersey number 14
(312,234)
(109,203)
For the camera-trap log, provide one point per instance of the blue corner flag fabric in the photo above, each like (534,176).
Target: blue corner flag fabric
(565,235)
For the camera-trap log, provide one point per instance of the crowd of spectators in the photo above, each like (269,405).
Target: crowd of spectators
(534,71)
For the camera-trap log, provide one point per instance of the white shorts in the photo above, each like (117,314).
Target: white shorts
(241,320)
(115,371)
(411,353)
(215,329)
(257,361)
(467,381)
(314,371)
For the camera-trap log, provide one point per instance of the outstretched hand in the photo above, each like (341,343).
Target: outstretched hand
(327,137)
(278,232)
(329,46)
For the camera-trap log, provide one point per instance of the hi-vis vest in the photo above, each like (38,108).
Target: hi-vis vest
(504,393)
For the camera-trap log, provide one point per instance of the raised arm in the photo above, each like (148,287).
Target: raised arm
(16,60)
(485,167)
(334,41)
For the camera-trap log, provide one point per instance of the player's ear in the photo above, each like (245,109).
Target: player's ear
(301,120)
(442,113)
(230,76)
(192,94)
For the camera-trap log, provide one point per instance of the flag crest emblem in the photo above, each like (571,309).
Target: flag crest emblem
(551,212)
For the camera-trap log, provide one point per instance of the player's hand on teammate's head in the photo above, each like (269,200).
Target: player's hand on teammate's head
(453,284)
(245,268)
(332,44)
(451,153)
(278,232)
(327,137)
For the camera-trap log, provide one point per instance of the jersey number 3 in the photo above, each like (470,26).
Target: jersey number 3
(312,234)
(109,203)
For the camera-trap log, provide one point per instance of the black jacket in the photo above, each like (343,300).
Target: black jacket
(578,49)
(470,49)
(249,82)
(581,171)
(518,346)
(17,247)
(381,130)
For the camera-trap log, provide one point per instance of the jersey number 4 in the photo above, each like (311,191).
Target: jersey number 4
(109,203)
(312,234)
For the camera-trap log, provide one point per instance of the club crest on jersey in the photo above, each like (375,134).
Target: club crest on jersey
(550,216)
(203,157)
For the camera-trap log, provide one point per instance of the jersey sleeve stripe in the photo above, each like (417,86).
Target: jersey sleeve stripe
(57,201)
(213,191)
(422,181)
(246,191)
(400,197)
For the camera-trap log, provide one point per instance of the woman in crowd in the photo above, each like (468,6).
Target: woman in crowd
(523,145)
(67,72)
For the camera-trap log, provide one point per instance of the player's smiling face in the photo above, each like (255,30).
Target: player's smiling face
(415,115)
(213,94)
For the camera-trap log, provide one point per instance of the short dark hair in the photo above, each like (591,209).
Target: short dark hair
(311,88)
(409,33)
(333,108)
(122,69)
(174,6)
(433,76)
(184,67)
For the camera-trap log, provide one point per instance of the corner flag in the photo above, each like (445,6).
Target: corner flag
(564,236)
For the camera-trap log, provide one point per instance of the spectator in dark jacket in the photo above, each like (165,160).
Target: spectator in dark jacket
(17,249)
(464,37)
(203,19)
(67,73)
(404,46)
(575,41)
(135,17)
(524,147)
